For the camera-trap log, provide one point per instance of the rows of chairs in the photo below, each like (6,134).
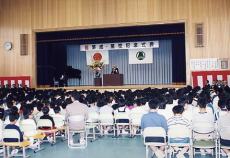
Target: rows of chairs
(130,122)
(31,133)
(202,136)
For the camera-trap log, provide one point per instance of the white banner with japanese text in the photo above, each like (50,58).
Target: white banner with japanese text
(120,45)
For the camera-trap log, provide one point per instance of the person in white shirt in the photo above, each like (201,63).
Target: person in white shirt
(1,124)
(177,121)
(93,107)
(221,110)
(28,120)
(224,122)
(188,108)
(139,106)
(64,104)
(59,119)
(167,112)
(123,110)
(105,108)
(202,115)
(136,114)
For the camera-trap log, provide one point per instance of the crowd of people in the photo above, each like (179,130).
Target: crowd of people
(164,108)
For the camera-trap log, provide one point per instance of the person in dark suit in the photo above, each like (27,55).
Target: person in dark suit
(63,80)
(115,70)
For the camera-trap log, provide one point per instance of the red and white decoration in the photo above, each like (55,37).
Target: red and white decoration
(18,80)
(200,77)
(101,56)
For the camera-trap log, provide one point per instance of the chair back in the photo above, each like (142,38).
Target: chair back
(179,131)
(106,118)
(136,118)
(59,122)
(154,132)
(225,132)
(11,134)
(203,128)
(154,135)
(29,129)
(76,118)
(44,123)
(93,117)
(121,116)
(76,122)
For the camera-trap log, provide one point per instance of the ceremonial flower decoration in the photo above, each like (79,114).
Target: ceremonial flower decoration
(96,65)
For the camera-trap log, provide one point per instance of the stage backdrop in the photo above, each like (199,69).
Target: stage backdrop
(158,72)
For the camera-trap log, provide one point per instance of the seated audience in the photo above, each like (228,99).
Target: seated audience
(13,119)
(46,115)
(173,122)
(28,119)
(77,108)
(1,122)
(57,111)
(123,110)
(224,122)
(202,114)
(205,117)
(137,112)
(153,119)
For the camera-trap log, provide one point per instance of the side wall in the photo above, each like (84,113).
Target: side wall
(27,16)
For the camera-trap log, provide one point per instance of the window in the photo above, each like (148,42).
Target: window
(199,35)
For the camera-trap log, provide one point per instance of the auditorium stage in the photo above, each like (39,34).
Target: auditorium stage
(113,88)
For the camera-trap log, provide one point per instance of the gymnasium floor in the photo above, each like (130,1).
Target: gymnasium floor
(105,147)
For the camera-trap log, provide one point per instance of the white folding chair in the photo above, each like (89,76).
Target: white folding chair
(13,134)
(224,133)
(135,120)
(204,136)
(29,130)
(105,120)
(76,124)
(122,119)
(45,126)
(61,127)
(91,124)
(154,136)
(176,135)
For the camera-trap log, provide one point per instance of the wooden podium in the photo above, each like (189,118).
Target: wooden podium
(112,79)
(97,82)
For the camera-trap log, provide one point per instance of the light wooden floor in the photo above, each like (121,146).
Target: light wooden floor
(114,88)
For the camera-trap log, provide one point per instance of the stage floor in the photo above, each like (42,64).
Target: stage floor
(114,88)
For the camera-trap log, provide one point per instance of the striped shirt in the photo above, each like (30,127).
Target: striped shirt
(178,120)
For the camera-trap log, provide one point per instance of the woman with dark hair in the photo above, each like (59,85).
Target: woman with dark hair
(46,115)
